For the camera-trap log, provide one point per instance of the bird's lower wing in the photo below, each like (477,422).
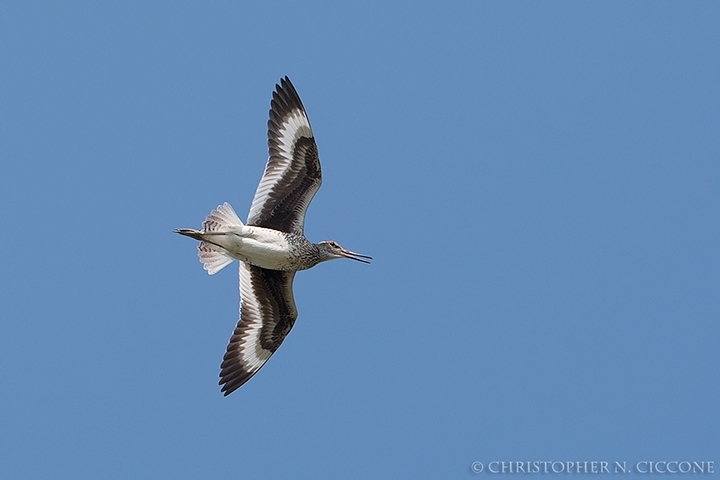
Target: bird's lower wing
(267,313)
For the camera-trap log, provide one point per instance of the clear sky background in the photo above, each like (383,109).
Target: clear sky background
(538,182)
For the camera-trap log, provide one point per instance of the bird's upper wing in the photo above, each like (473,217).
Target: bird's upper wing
(267,313)
(292,174)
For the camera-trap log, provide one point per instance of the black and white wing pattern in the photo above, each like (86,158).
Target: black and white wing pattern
(267,313)
(292,174)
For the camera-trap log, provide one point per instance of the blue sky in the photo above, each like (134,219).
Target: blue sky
(538,182)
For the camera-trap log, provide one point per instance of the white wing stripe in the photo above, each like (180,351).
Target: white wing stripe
(294,126)
(252,355)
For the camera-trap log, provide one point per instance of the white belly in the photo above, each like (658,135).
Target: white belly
(258,246)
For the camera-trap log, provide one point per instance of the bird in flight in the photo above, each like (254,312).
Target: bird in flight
(271,246)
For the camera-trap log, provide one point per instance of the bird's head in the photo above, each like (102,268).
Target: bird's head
(330,249)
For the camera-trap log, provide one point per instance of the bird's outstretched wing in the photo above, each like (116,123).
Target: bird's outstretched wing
(267,313)
(292,174)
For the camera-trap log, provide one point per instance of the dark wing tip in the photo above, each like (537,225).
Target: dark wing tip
(230,387)
(287,89)
(233,373)
(285,99)
(234,379)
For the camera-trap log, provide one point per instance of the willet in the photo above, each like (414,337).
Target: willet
(271,246)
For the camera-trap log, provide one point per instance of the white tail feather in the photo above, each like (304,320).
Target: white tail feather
(213,257)
(221,218)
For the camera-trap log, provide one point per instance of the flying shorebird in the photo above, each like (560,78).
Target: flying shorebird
(271,246)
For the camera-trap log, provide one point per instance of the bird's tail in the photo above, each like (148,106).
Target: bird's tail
(213,257)
(221,219)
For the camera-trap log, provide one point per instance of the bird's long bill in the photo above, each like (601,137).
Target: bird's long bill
(356,256)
